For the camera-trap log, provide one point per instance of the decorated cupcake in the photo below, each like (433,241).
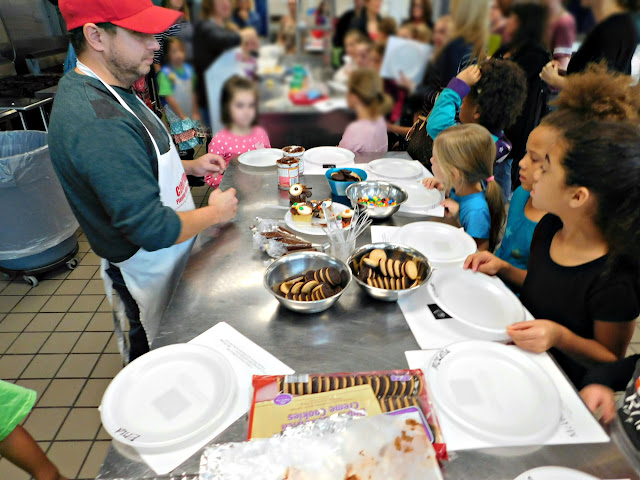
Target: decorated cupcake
(299,193)
(319,207)
(346,216)
(302,212)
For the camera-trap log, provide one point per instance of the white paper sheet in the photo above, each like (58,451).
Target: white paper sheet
(247,359)
(405,56)
(577,424)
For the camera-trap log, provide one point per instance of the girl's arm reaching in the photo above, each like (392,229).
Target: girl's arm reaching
(489,264)
(609,344)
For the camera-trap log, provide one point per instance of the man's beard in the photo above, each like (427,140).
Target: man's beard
(126,73)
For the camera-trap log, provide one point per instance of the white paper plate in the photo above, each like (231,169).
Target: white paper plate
(263,157)
(554,473)
(396,168)
(337,156)
(405,56)
(420,197)
(168,397)
(444,245)
(495,392)
(315,227)
(483,305)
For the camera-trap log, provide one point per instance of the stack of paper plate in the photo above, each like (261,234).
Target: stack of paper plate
(396,169)
(442,244)
(421,199)
(169,398)
(481,305)
(495,392)
(264,157)
(334,156)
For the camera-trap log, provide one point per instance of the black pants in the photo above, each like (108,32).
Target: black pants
(138,344)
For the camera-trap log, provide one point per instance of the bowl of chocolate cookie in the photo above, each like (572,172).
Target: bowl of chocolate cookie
(340,178)
(307,282)
(389,271)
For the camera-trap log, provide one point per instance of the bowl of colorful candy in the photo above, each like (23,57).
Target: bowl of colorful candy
(340,178)
(381,199)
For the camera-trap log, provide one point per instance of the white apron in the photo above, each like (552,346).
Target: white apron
(151,277)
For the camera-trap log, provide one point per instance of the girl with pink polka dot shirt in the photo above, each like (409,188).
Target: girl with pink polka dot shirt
(239,114)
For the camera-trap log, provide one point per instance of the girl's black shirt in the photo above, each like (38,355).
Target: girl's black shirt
(576,297)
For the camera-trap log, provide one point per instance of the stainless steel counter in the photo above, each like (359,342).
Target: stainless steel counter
(223,282)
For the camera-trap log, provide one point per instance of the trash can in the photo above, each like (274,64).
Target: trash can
(37,227)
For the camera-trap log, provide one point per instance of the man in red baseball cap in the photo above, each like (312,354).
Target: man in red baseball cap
(118,166)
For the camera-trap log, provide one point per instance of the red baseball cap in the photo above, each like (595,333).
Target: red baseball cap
(137,15)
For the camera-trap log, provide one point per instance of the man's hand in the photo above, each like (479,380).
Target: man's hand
(470,75)
(225,203)
(600,399)
(451,208)
(207,164)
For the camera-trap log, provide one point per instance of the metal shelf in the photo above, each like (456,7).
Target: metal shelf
(302,27)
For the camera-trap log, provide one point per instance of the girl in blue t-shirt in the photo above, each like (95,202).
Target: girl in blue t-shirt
(462,159)
(523,216)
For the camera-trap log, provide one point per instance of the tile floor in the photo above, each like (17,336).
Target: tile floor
(57,339)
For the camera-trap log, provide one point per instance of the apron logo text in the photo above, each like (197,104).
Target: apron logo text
(182,189)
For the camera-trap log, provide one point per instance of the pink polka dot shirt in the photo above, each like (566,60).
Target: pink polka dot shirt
(227,144)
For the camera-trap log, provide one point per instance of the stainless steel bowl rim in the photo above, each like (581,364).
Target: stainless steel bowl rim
(391,246)
(293,256)
(380,183)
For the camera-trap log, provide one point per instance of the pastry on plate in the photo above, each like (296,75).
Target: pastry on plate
(301,212)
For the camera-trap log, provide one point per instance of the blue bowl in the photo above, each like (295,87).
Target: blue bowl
(340,188)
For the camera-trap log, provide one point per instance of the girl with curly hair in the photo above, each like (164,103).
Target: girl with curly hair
(492,95)
(582,281)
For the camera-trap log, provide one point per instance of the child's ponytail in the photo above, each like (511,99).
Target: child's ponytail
(493,194)
(367,85)
(470,149)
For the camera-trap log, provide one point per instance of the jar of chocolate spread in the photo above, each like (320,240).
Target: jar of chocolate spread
(288,172)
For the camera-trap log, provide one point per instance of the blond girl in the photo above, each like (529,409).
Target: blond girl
(367,99)
(462,159)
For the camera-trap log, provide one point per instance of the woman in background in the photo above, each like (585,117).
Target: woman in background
(525,45)
(244,15)
(420,12)
(468,44)
(212,36)
(182,29)
(367,21)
